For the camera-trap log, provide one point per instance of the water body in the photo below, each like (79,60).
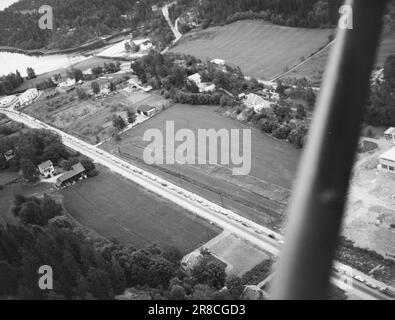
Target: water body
(10,62)
(6,3)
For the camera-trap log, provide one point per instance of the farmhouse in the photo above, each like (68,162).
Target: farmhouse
(46,168)
(203,86)
(67,84)
(218,62)
(146,110)
(206,87)
(253,101)
(387,161)
(71,176)
(9,101)
(28,96)
(196,78)
(390,134)
(126,66)
(190,261)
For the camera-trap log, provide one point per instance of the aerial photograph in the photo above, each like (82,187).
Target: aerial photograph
(221,151)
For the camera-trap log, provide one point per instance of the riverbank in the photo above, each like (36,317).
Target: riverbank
(88,46)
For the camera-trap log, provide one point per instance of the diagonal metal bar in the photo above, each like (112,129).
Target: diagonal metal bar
(316,208)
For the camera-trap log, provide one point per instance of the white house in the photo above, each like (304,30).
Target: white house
(218,62)
(387,161)
(9,101)
(67,83)
(390,134)
(190,261)
(206,87)
(253,101)
(46,168)
(196,78)
(126,66)
(28,96)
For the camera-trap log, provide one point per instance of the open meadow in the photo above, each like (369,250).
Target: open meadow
(260,196)
(313,69)
(260,49)
(117,208)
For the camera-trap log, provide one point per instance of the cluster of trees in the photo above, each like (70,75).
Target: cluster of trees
(10,82)
(297,88)
(36,211)
(111,67)
(99,269)
(31,148)
(281,122)
(197,98)
(381,105)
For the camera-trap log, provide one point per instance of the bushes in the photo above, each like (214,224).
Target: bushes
(197,98)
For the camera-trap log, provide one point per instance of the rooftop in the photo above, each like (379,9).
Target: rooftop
(77,169)
(145,108)
(45,165)
(389,155)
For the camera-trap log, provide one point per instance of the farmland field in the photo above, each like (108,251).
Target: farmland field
(260,49)
(117,208)
(260,196)
(90,119)
(313,68)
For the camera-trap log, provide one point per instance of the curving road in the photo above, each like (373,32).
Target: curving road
(226,219)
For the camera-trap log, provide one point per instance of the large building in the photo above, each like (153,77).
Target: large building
(28,96)
(9,101)
(77,172)
(387,161)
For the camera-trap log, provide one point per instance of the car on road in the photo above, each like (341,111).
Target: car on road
(272,236)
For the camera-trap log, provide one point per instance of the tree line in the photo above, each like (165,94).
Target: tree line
(293,13)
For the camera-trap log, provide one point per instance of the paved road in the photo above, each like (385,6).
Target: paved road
(226,219)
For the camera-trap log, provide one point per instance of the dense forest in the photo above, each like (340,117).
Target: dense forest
(78,21)
(294,13)
(75,21)
(95,268)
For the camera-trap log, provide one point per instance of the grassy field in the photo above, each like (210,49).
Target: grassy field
(313,69)
(261,195)
(115,207)
(90,118)
(261,49)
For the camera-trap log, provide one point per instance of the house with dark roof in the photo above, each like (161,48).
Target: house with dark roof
(46,168)
(77,173)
